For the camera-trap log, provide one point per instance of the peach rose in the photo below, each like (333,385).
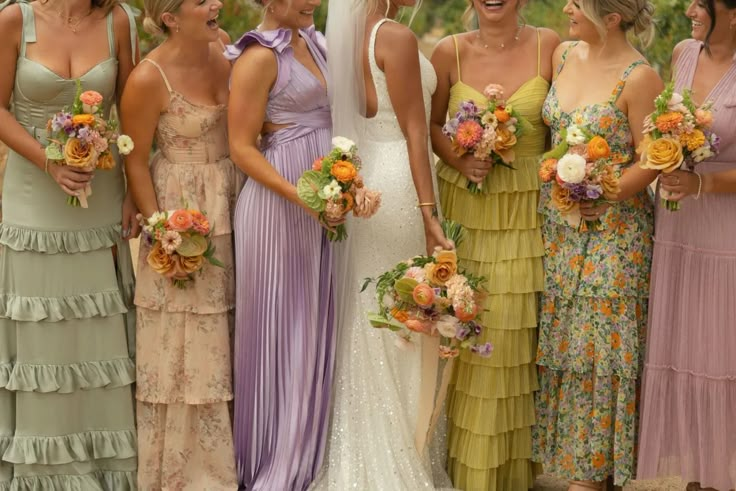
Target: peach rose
(598,148)
(664,154)
(367,202)
(609,183)
(91,98)
(79,154)
(180,221)
(188,265)
(561,198)
(505,140)
(83,119)
(159,260)
(423,295)
(703,117)
(343,171)
(445,268)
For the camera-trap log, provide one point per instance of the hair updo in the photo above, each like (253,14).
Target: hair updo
(154,10)
(637,16)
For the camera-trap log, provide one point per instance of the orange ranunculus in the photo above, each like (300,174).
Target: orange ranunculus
(598,148)
(502,115)
(79,154)
(664,154)
(159,260)
(399,315)
(423,295)
(466,313)
(199,222)
(668,121)
(180,221)
(105,161)
(343,171)
(83,119)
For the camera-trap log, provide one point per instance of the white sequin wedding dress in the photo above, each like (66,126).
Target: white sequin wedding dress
(371,441)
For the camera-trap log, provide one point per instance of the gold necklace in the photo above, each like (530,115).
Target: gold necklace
(503,45)
(72,22)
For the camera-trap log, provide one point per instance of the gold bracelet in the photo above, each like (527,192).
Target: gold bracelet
(700,185)
(46,167)
(426,204)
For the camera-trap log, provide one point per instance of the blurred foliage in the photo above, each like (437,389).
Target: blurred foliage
(441,17)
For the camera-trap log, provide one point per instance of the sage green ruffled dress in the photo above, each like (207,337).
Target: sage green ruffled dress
(66,284)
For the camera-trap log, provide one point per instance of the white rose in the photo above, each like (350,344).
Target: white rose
(125,144)
(575,136)
(447,326)
(571,168)
(344,144)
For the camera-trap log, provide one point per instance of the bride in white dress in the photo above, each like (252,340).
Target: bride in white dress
(381,93)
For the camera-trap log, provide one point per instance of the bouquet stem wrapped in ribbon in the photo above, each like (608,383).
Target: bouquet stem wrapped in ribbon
(82,138)
(488,133)
(677,134)
(333,187)
(580,168)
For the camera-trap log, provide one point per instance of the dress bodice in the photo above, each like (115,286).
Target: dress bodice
(384,126)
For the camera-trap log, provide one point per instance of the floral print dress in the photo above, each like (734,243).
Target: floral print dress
(593,317)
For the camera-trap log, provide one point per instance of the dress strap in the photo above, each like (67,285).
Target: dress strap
(131,13)
(539,53)
(161,71)
(457,56)
(28,34)
(564,57)
(372,47)
(622,82)
(110,35)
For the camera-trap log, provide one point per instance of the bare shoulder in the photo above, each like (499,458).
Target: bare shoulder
(121,21)
(11,23)
(145,77)
(256,61)
(224,37)
(444,50)
(550,39)
(393,32)
(644,75)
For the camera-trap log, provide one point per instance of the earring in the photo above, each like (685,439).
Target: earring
(177,28)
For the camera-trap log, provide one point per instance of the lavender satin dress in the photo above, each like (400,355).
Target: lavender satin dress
(284,332)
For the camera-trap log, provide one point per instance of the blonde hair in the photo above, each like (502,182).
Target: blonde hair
(637,16)
(154,10)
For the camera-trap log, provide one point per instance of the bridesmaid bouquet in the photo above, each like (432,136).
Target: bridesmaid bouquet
(580,168)
(81,137)
(428,295)
(677,134)
(333,187)
(180,244)
(489,133)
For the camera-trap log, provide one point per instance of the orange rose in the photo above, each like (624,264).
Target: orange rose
(609,183)
(598,148)
(443,269)
(501,115)
(159,261)
(83,119)
(343,171)
(79,154)
(561,198)
(664,154)
(504,139)
(105,161)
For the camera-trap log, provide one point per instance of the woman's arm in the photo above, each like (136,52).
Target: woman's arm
(70,179)
(445,63)
(397,53)
(642,87)
(144,98)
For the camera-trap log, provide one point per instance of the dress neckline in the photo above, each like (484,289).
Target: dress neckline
(516,92)
(70,79)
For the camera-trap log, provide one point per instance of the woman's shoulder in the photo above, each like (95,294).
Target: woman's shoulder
(11,21)
(682,47)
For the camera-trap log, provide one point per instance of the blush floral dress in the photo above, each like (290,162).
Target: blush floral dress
(593,316)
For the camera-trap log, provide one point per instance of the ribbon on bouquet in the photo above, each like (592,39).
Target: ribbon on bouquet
(431,398)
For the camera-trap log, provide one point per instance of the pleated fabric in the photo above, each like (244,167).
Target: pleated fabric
(689,394)
(490,402)
(284,339)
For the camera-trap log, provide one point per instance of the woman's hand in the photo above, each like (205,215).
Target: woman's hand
(678,184)
(131,226)
(590,210)
(473,169)
(70,179)
(435,237)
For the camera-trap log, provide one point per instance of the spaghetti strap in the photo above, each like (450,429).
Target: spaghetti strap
(622,82)
(161,71)
(457,57)
(539,53)
(564,58)
(110,34)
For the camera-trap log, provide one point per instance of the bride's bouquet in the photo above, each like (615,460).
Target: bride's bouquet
(333,187)
(180,244)
(80,137)
(428,295)
(489,132)
(677,134)
(580,168)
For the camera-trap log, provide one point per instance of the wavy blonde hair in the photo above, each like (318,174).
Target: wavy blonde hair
(637,16)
